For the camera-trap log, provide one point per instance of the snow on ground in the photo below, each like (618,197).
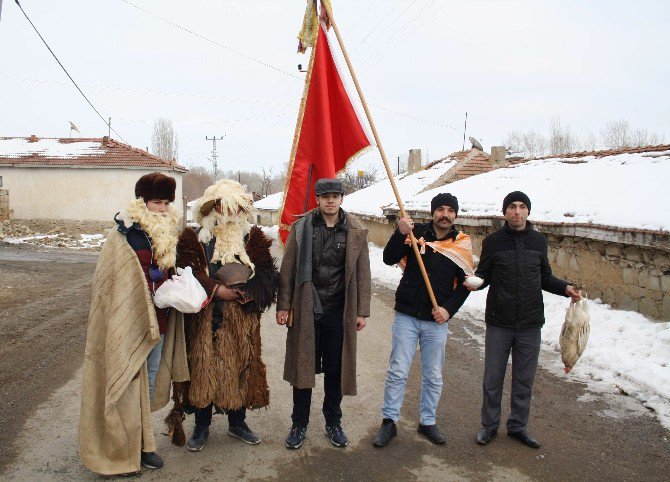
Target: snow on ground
(371,199)
(271,231)
(85,241)
(578,190)
(625,352)
(22,147)
(29,239)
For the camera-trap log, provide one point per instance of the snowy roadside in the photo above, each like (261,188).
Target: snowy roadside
(626,351)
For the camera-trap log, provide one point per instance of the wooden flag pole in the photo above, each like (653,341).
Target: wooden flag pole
(424,273)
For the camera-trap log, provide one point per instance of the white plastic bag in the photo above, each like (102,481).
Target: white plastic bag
(182,292)
(575,332)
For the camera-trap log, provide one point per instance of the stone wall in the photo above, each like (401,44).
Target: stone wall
(4,205)
(626,276)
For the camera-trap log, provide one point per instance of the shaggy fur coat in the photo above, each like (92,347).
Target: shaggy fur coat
(226,366)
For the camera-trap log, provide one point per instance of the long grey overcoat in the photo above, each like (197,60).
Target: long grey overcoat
(299,363)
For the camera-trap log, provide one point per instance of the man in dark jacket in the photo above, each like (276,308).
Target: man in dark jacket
(325,285)
(416,321)
(514,264)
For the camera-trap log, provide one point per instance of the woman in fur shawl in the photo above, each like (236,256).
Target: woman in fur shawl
(224,341)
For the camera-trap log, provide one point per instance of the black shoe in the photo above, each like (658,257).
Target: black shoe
(296,437)
(485,435)
(525,438)
(198,439)
(387,431)
(336,436)
(244,433)
(432,433)
(151,460)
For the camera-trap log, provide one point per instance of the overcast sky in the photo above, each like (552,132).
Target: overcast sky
(509,64)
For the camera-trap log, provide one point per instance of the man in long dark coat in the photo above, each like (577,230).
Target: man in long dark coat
(324,295)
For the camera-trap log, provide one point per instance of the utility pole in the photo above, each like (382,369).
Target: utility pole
(214,154)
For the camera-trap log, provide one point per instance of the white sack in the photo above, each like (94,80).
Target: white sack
(182,292)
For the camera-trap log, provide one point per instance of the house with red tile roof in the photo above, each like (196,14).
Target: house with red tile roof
(75,178)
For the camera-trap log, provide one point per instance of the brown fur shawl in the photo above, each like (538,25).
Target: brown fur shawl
(226,367)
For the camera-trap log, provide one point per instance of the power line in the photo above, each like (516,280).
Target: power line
(108,124)
(237,52)
(277,69)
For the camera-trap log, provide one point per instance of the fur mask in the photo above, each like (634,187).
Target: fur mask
(163,230)
(228,227)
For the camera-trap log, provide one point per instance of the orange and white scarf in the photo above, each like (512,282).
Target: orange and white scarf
(458,250)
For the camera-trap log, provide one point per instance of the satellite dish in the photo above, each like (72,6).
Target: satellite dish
(476,144)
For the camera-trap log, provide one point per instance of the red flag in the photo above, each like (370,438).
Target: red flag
(328,134)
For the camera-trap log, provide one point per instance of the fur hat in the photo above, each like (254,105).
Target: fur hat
(232,195)
(515,196)
(155,186)
(444,199)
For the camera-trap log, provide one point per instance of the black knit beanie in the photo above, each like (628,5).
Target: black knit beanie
(515,196)
(444,199)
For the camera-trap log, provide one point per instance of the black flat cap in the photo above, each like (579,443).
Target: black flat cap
(326,186)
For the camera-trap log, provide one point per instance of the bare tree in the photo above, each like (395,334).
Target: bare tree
(590,143)
(561,139)
(164,140)
(266,181)
(354,180)
(641,137)
(529,143)
(615,134)
(195,181)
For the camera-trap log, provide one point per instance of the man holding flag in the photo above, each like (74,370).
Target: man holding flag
(447,255)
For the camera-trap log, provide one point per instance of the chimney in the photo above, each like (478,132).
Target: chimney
(33,138)
(105,140)
(414,161)
(498,154)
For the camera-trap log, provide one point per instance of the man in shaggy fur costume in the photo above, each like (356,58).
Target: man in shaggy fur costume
(133,349)
(224,340)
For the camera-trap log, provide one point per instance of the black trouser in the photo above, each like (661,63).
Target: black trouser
(203,416)
(329,333)
(525,347)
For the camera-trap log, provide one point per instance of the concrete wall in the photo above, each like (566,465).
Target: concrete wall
(4,205)
(264,217)
(74,193)
(626,276)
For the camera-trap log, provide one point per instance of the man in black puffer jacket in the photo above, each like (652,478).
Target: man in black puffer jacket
(416,322)
(514,264)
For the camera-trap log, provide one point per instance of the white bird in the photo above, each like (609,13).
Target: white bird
(574,333)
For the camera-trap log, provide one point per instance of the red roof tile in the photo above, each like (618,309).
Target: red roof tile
(109,153)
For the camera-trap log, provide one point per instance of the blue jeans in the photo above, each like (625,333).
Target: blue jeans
(432,339)
(153,362)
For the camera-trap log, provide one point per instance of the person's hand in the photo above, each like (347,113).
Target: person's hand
(282,316)
(405,225)
(360,323)
(440,315)
(227,294)
(573,293)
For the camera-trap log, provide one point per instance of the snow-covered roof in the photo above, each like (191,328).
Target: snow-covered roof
(271,202)
(627,188)
(370,200)
(81,152)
